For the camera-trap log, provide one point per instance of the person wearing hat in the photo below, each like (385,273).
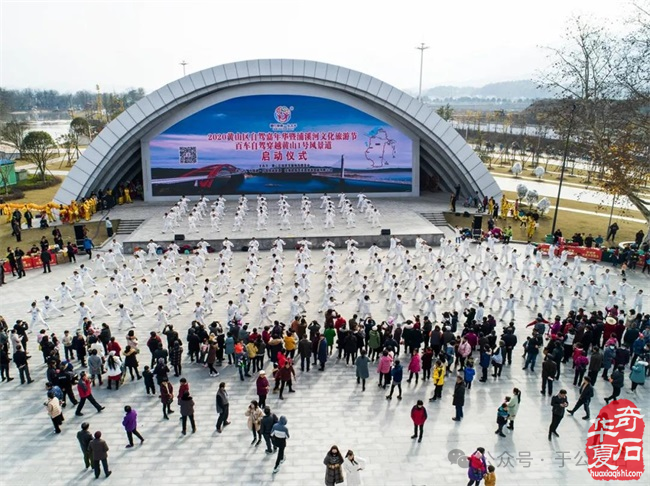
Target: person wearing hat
(99,451)
(610,323)
(262,385)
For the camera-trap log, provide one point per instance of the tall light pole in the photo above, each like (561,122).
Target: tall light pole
(183,63)
(566,153)
(611,213)
(421,48)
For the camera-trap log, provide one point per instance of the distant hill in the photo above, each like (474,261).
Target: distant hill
(510,90)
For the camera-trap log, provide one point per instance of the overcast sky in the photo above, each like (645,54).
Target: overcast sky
(75,45)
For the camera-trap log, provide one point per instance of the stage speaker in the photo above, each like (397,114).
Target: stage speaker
(79,234)
(385,232)
(477,224)
(179,237)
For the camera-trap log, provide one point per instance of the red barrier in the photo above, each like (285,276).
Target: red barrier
(28,263)
(37,262)
(583,251)
(53,260)
(593,253)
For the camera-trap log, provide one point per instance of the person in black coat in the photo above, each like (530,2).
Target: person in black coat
(79,345)
(549,369)
(4,363)
(510,341)
(46,258)
(586,394)
(617,380)
(559,403)
(65,380)
(20,359)
(459,398)
(350,347)
(193,345)
(11,258)
(70,250)
(172,335)
(558,354)
(266,426)
(20,268)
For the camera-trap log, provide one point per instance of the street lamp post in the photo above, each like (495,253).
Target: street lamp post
(566,153)
(421,48)
(611,213)
(183,63)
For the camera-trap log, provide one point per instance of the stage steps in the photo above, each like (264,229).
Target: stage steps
(128,226)
(437,219)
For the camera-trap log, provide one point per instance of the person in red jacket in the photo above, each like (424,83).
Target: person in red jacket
(419,416)
(183,387)
(86,393)
(166,397)
(113,345)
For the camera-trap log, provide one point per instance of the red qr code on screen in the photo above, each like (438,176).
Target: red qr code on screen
(187,155)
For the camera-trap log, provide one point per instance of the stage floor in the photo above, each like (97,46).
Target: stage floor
(403,216)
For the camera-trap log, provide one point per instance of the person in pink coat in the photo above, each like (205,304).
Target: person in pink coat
(464,350)
(383,368)
(415,366)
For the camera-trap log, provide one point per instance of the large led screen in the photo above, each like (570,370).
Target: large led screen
(280,144)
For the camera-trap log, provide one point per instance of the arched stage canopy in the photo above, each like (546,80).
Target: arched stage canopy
(116,153)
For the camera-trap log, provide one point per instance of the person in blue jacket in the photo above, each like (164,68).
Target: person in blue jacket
(469,373)
(88,247)
(638,348)
(637,374)
(608,359)
(322,352)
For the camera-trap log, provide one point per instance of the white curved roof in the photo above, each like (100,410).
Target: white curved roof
(115,150)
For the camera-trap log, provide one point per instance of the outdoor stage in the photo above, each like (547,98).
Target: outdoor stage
(402,216)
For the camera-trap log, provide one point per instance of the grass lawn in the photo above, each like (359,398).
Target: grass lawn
(569,222)
(592,208)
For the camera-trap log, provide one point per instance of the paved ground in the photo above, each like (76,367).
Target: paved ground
(328,408)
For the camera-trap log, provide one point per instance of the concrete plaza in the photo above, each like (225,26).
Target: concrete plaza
(328,408)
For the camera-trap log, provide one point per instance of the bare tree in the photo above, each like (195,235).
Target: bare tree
(13,133)
(612,124)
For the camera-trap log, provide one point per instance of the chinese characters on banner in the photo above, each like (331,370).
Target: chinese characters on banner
(283,146)
(615,442)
